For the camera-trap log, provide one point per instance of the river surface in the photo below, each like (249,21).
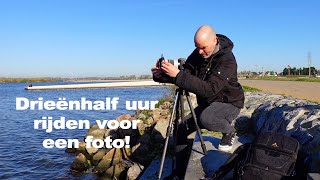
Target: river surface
(22,155)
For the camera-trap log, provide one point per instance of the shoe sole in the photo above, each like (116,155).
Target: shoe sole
(226,148)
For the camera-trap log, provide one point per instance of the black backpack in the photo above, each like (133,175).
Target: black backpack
(270,157)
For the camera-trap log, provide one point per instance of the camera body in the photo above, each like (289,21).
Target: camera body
(177,63)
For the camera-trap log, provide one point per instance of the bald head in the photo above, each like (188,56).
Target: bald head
(205,40)
(204,33)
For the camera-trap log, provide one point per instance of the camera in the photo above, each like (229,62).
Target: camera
(177,63)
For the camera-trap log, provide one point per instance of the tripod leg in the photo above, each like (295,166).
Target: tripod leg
(175,131)
(182,110)
(169,130)
(196,123)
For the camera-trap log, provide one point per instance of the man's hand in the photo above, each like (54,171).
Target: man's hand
(169,69)
(156,71)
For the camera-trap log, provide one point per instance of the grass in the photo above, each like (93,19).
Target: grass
(212,133)
(250,89)
(289,78)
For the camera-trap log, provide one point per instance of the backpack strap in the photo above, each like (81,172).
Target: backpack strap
(235,158)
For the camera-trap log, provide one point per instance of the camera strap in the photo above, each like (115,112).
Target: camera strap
(209,65)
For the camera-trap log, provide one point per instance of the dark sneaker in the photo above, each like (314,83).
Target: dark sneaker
(226,142)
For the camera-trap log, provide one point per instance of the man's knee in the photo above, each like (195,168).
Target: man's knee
(208,120)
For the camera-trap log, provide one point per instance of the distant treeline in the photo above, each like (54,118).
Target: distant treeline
(28,80)
(288,78)
(300,71)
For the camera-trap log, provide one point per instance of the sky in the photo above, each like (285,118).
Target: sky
(82,38)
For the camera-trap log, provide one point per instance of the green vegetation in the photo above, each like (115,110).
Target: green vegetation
(28,80)
(168,95)
(289,78)
(212,133)
(250,89)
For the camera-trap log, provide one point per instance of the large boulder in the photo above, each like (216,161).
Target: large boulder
(97,157)
(80,164)
(115,171)
(96,132)
(123,117)
(160,130)
(134,171)
(113,157)
(83,150)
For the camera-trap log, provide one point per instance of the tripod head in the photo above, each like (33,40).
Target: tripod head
(181,61)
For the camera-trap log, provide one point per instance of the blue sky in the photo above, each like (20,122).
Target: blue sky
(77,38)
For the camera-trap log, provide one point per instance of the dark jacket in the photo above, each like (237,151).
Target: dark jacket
(219,84)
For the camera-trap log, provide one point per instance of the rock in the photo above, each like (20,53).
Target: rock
(135,147)
(165,105)
(141,128)
(302,136)
(97,157)
(164,114)
(80,164)
(160,130)
(156,114)
(113,157)
(142,116)
(134,171)
(92,150)
(96,132)
(149,121)
(124,117)
(293,117)
(71,150)
(82,149)
(115,171)
(126,152)
(186,104)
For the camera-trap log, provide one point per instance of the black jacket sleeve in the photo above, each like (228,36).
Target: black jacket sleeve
(167,79)
(164,79)
(214,83)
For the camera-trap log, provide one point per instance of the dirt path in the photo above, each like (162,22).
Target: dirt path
(301,90)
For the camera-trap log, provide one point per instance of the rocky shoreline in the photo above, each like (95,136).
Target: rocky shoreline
(262,112)
(126,163)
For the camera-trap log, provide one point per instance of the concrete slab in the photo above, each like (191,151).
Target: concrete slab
(96,85)
(153,169)
(313,176)
(201,165)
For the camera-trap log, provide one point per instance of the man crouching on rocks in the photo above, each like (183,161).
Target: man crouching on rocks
(210,72)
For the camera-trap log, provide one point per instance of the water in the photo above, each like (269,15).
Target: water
(22,155)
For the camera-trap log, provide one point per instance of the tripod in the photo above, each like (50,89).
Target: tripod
(178,102)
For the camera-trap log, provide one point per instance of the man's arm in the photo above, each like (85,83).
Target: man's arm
(216,81)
